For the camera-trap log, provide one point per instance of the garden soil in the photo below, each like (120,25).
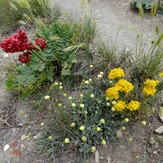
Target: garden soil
(113,19)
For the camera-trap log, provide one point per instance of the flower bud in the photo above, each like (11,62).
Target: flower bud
(73,105)
(42,124)
(47,97)
(113,109)
(50,137)
(82,128)
(69,98)
(91,66)
(92,95)
(59,105)
(86,82)
(60,87)
(114,102)
(93,148)
(102,121)
(144,123)
(103,142)
(67,140)
(82,105)
(84,138)
(72,124)
(98,129)
(126,120)
(123,128)
(108,104)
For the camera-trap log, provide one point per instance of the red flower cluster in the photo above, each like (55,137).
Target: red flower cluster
(19,43)
(41,43)
(25,57)
(15,43)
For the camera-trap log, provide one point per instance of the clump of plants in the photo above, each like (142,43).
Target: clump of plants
(51,54)
(13,13)
(92,117)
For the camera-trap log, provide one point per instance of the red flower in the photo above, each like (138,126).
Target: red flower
(30,46)
(41,43)
(25,57)
(15,43)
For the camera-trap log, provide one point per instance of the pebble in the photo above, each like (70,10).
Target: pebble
(149,150)
(119,134)
(152,141)
(159,130)
(37,136)
(6,147)
(23,137)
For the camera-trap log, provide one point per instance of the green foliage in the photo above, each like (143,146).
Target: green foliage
(146,4)
(64,40)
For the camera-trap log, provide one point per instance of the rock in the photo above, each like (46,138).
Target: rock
(119,134)
(160,113)
(159,130)
(22,146)
(108,159)
(154,152)
(152,141)
(37,136)
(97,157)
(149,150)
(6,147)
(23,137)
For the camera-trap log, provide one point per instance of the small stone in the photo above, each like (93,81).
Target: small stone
(160,113)
(22,146)
(37,136)
(159,130)
(109,159)
(152,141)
(149,150)
(6,147)
(97,157)
(23,137)
(119,134)
(154,152)
(5,55)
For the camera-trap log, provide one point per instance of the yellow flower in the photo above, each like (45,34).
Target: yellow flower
(116,73)
(149,88)
(149,91)
(161,74)
(120,105)
(133,105)
(150,83)
(124,86)
(112,93)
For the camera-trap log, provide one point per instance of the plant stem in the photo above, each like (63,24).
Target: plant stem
(39,57)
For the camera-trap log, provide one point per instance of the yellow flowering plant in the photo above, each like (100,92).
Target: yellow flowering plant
(92,117)
(132,99)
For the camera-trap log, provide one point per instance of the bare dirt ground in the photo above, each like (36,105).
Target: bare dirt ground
(146,147)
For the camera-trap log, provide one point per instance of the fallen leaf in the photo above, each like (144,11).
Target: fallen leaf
(16,152)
